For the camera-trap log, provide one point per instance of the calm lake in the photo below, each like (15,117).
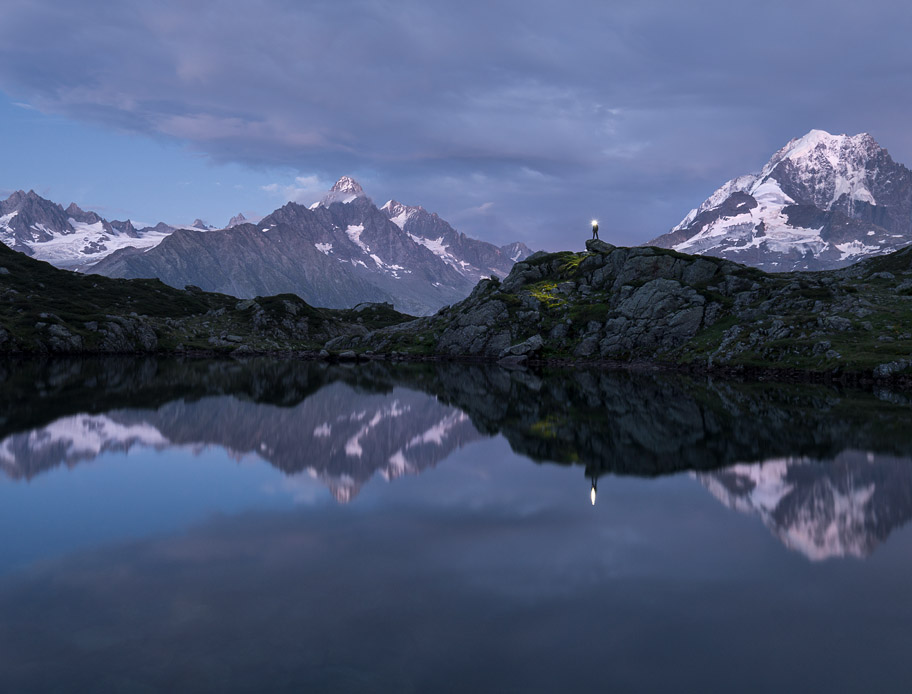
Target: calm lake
(286,526)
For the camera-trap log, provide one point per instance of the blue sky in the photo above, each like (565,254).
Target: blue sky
(513,120)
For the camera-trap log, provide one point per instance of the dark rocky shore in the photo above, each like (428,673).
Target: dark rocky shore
(607,305)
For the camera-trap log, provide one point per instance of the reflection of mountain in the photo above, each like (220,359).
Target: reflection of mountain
(338,435)
(72,440)
(308,416)
(844,507)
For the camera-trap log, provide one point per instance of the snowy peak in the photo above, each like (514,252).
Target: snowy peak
(819,145)
(820,168)
(398,213)
(346,184)
(27,218)
(345,190)
(822,201)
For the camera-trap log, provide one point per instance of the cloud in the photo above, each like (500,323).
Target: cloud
(572,102)
(304,190)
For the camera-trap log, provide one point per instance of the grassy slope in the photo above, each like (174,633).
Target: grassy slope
(34,294)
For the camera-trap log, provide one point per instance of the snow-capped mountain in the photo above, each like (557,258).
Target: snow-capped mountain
(70,238)
(347,436)
(838,508)
(346,189)
(338,252)
(73,238)
(823,201)
(469,257)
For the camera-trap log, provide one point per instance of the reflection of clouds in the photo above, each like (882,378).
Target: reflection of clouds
(303,489)
(492,568)
(400,593)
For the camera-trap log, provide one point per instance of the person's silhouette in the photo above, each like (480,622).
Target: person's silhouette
(595,230)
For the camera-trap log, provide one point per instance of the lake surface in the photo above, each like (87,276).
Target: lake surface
(290,526)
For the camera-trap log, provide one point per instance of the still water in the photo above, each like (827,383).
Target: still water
(289,526)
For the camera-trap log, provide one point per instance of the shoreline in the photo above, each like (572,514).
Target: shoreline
(739,373)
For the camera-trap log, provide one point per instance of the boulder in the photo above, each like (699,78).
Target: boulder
(525,348)
(597,246)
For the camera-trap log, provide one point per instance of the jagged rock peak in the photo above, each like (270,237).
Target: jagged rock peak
(19,197)
(399,214)
(73,210)
(199,224)
(394,207)
(346,184)
(239,218)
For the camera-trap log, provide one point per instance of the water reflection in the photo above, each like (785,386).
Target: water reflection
(339,435)
(175,568)
(345,425)
(823,509)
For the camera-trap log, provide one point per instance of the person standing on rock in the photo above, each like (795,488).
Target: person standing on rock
(595,230)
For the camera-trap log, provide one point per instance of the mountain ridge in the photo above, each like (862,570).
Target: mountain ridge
(339,252)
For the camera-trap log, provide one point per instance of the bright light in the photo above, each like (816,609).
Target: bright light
(592,496)
(594,222)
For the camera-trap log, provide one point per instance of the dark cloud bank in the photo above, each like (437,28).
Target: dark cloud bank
(514,119)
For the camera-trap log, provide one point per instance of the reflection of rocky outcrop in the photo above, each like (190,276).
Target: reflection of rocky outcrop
(339,435)
(843,507)
(620,422)
(653,423)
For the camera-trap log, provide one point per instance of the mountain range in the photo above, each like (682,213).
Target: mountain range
(821,202)
(337,253)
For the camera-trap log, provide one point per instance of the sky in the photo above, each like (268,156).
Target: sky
(513,120)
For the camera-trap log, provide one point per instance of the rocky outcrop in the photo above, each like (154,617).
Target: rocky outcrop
(623,304)
(607,303)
